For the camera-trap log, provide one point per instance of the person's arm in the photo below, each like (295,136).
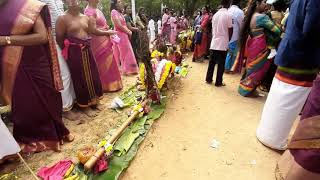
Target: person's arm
(130,27)
(230,26)
(118,24)
(61,30)
(311,24)
(38,36)
(139,23)
(240,20)
(98,32)
(269,25)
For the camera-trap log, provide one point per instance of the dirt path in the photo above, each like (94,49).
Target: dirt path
(178,146)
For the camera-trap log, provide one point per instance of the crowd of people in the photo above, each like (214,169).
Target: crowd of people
(66,60)
(273,44)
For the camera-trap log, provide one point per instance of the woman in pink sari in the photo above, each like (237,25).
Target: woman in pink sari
(123,52)
(102,49)
(173,23)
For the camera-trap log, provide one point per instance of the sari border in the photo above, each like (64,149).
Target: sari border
(293,82)
(12,54)
(305,144)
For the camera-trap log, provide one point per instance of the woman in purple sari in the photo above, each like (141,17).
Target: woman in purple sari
(30,76)
(102,49)
(123,51)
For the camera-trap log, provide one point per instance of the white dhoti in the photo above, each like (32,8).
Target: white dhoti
(8,145)
(283,105)
(68,94)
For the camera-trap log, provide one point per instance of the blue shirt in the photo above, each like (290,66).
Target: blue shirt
(301,45)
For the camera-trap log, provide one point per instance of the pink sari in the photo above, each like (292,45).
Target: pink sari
(123,52)
(102,49)
(173,34)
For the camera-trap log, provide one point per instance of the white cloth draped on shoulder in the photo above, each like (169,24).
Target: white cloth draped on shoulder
(8,145)
(283,105)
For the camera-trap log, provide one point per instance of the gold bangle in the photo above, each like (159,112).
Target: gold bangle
(8,40)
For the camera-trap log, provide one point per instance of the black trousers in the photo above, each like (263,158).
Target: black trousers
(267,81)
(216,57)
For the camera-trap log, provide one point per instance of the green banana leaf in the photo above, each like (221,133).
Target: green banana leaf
(118,164)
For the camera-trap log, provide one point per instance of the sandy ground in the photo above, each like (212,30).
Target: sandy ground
(178,145)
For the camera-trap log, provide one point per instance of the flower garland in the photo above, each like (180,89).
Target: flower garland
(165,74)
(163,70)
(142,75)
(156,54)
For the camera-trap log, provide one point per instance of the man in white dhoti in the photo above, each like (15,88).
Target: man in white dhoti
(298,61)
(68,94)
(152,30)
(8,145)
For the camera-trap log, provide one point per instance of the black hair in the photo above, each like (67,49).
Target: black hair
(252,6)
(141,9)
(236,2)
(125,7)
(113,5)
(280,5)
(225,3)
(207,8)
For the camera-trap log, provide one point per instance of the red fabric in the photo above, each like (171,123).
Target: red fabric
(205,22)
(201,50)
(55,172)
(101,165)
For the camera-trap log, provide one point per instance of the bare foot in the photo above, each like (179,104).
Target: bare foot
(72,115)
(69,138)
(99,107)
(90,112)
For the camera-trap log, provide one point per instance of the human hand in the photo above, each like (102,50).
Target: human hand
(130,33)
(111,32)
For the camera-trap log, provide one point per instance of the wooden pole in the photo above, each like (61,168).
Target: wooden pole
(28,167)
(92,161)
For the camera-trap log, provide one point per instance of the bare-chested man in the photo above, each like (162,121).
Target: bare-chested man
(68,94)
(73,31)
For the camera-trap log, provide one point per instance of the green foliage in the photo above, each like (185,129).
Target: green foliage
(153,7)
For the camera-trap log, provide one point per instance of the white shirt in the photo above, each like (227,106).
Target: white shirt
(159,26)
(221,22)
(56,10)
(237,21)
(151,25)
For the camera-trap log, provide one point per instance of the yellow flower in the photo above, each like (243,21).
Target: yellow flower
(154,53)
(165,74)
(142,75)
